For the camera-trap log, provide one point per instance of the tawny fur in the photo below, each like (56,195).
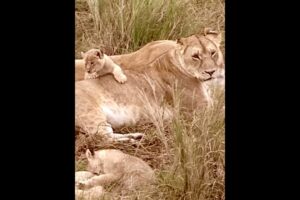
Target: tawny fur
(141,57)
(115,167)
(98,64)
(88,194)
(103,104)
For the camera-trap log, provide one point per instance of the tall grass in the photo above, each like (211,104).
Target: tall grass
(197,171)
(196,152)
(193,150)
(187,153)
(123,26)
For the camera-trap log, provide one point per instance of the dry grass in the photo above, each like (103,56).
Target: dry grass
(188,153)
(191,166)
(122,26)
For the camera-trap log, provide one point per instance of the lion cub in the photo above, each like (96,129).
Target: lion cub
(92,193)
(97,64)
(114,166)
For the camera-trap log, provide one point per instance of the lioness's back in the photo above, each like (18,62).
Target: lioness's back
(145,55)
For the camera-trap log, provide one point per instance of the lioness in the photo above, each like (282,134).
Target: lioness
(97,64)
(102,104)
(114,166)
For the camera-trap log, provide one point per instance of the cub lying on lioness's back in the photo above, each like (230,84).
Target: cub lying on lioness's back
(97,64)
(132,60)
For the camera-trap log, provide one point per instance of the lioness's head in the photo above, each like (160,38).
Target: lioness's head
(201,55)
(94,164)
(93,59)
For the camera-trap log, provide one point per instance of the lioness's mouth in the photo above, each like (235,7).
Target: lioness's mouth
(210,78)
(220,77)
(215,77)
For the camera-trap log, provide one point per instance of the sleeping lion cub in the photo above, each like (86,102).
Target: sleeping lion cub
(89,194)
(108,166)
(97,64)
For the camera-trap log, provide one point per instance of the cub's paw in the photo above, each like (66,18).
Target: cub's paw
(91,76)
(121,78)
(81,185)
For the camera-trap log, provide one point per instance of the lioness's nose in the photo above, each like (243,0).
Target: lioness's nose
(210,72)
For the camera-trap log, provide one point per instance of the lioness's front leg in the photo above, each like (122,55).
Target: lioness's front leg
(101,180)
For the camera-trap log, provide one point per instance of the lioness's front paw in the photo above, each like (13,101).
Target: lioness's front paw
(121,78)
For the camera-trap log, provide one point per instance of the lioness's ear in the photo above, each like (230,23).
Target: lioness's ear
(88,154)
(180,41)
(82,54)
(215,36)
(210,31)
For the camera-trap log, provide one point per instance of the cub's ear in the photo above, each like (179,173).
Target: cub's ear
(88,154)
(82,54)
(99,53)
(214,36)
(103,50)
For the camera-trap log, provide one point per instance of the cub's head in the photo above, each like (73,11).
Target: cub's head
(200,55)
(93,59)
(94,163)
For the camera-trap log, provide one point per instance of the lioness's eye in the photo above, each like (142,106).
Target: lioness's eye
(196,56)
(92,63)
